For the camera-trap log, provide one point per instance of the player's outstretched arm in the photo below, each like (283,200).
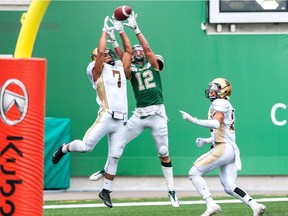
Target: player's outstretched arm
(97,70)
(127,57)
(209,123)
(149,54)
(111,37)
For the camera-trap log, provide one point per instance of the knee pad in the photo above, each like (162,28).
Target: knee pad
(229,189)
(194,171)
(117,151)
(163,151)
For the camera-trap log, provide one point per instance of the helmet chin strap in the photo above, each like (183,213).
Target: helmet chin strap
(138,59)
(112,62)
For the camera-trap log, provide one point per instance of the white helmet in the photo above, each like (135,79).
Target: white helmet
(140,58)
(218,88)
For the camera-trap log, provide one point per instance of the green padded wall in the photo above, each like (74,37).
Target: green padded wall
(256,65)
(57,130)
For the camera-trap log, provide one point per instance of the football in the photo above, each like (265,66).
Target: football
(122,13)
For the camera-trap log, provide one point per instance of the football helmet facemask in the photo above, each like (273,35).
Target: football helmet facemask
(107,51)
(139,57)
(218,88)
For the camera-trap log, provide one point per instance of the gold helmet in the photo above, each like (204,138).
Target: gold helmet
(218,88)
(107,51)
(94,54)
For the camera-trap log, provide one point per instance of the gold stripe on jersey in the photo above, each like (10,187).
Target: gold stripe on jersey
(213,156)
(99,116)
(101,93)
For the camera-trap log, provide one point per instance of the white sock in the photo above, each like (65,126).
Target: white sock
(107,184)
(64,148)
(168,175)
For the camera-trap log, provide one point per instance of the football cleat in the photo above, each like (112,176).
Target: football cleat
(212,210)
(58,155)
(173,198)
(105,196)
(97,175)
(259,210)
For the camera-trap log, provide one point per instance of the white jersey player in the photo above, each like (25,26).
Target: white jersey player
(224,153)
(108,78)
(110,85)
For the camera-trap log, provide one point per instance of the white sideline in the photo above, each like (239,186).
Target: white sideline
(284,199)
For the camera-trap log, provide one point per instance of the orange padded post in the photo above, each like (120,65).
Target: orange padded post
(22,111)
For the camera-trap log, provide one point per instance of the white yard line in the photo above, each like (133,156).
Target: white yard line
(156,203)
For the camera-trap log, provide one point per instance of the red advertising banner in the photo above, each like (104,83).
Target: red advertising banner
(22,111)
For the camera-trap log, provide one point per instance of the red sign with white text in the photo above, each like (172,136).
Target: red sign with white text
(22,111)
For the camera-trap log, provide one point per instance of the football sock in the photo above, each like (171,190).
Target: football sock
(107,184)
(64,149)
(168,175)
(201,186)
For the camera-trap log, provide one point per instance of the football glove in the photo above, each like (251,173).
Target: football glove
(111,38)
(106,27)
(132,23)
(188,117)
(208,123)
(201,141)
(117,25)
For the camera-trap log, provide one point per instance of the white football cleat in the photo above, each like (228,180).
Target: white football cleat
(212,210)
(259,210)
(97,175)
(173,198)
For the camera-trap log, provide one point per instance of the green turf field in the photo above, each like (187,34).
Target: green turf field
(274,208)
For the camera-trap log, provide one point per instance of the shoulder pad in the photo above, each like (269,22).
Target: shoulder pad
(221,105)
(118,63)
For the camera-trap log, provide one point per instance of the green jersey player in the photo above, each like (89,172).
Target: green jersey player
(150,110)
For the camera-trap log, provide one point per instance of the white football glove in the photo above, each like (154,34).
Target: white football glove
(200,142)
(188,117)
(117,25)
(106,27)
(111,38)
(132,23)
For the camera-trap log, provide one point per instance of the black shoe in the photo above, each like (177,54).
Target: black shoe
(58,155)
(105,196)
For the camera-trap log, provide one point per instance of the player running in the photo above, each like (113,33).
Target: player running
(224,153)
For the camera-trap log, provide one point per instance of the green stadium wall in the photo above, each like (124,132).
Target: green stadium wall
(256,65)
